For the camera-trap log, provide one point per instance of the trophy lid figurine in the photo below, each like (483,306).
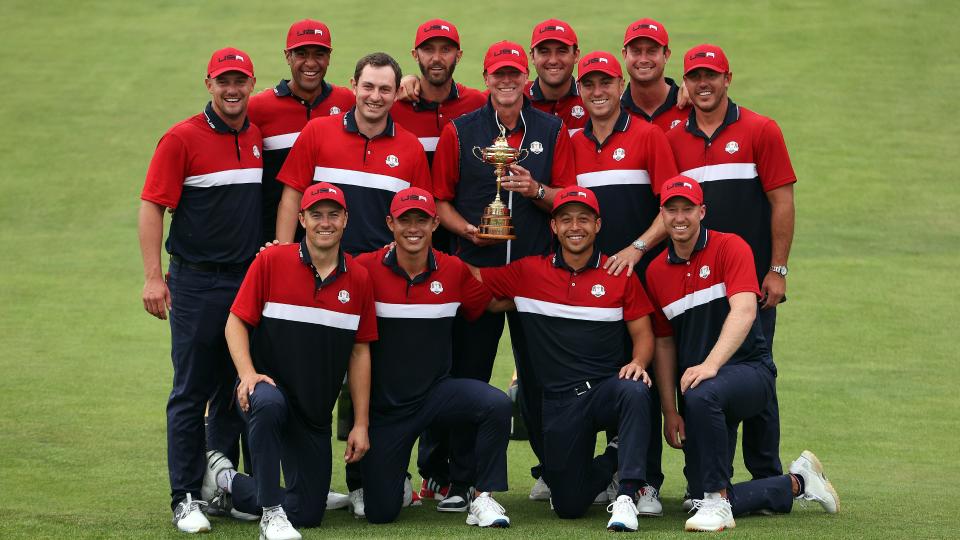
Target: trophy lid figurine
(496,223)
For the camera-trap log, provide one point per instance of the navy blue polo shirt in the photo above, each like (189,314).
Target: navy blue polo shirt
(573,319)
(426,119)
(209,174)
(691,298)
(415,324)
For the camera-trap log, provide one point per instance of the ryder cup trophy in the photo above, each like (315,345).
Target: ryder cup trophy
(496,223)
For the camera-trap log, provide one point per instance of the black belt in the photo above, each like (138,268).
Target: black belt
(210,267)
(577,390)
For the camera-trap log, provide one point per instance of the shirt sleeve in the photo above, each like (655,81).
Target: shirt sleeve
(660,164)
(474,296)
(773,160)
(248,305)
(563,173)
(636,304)
(446,164)
(739,273)
(297,170)
(168,168)
(367,331)
(502,280)
(661,326)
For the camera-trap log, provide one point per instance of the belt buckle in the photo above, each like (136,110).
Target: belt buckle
(582,389)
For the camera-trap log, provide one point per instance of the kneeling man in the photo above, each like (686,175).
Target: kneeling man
(709,339)
(575,314)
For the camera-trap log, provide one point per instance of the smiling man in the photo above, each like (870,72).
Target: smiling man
(650,96)
(206,170)
(554,51)
(363,152)
(281,112)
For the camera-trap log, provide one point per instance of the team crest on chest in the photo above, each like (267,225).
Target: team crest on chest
(619,154)
(598,290)
(343,296)
(392,161)
(674,124)
(704,272)
(576,111)
(334,110)
(256,152)
(732,147)
(536,147)
(436,287)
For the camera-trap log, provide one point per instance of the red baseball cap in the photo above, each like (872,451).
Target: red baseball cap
(601,61)
(705,56)
(436,28)
(308,32)
(229,59)
(505,54)
(681,186)
(646,28)
(413,198)
(576,194)
(322,191)
(553,29)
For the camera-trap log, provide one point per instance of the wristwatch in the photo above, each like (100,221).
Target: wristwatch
(782,270)
(639,245)
(541,193)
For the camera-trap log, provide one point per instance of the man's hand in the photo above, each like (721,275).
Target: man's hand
(772,290)
(635,371)
(358,442)
(470,232)
(246,386)
(156,298)
(627,257)
(674,430)
(683,98)
(409,88)
(520,181)
(269,244)
(696,375)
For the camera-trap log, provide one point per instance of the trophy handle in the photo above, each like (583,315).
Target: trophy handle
(522,155)
(476,155)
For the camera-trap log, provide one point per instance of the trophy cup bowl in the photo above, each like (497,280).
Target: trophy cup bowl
(496,222)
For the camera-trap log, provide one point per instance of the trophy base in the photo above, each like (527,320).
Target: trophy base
(491,236)
(496,223)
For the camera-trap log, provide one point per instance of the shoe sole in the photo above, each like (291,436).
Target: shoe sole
(452,510)
(619,527)
(498,524)
(732,525)
(194,531)
(650,514)
(818,468)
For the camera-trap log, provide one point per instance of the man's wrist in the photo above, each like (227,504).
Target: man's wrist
(541,192)
(779,269)
(639,245)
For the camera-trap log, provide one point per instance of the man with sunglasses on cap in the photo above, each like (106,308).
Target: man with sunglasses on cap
(741,160)
(281,112)
(575,317)
(206,170)
(304,315)
(710,347)
(418,291)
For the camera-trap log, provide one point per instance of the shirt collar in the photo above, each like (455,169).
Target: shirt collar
(390,261)
(733,114)
(283,90)
(494,120)
(426,105)
(350,124)
(217,124)
(623,122)
(672,256)
(626,101)
(559,262)
(536,93)
(319,282)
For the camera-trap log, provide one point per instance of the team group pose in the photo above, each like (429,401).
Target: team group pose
(653,223)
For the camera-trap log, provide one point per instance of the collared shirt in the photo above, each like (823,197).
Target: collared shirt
(568,108)
(666,117)
(573,319)
(305,326)
(280,114)
(625,172)
(210,174)
(426,119)
(369,170)
(415,324)
(736,166)
(692,298)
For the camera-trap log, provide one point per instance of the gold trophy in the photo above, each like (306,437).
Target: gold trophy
(496,223)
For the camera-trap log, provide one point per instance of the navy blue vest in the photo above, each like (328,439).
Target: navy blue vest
(477,186)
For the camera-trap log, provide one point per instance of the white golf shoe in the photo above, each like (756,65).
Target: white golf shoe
(486,512)
(712,515)
(816,486)
(188,517)
(356,503)
(274,525)
(216,462)
(648,502)
(540,491)
(623,515)
(336,501)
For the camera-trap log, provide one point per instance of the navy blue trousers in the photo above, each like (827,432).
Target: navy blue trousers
(452,404)
(570,427)
(202,372)
(712,411)
(761,433)
(277,435)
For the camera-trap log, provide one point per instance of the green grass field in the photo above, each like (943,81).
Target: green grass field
(868,372)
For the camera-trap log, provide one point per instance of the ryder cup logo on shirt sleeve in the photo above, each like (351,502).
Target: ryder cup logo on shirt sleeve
(674,124)
(334,110)
(343,296)
(392,161)
(256,152)
(536,147)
